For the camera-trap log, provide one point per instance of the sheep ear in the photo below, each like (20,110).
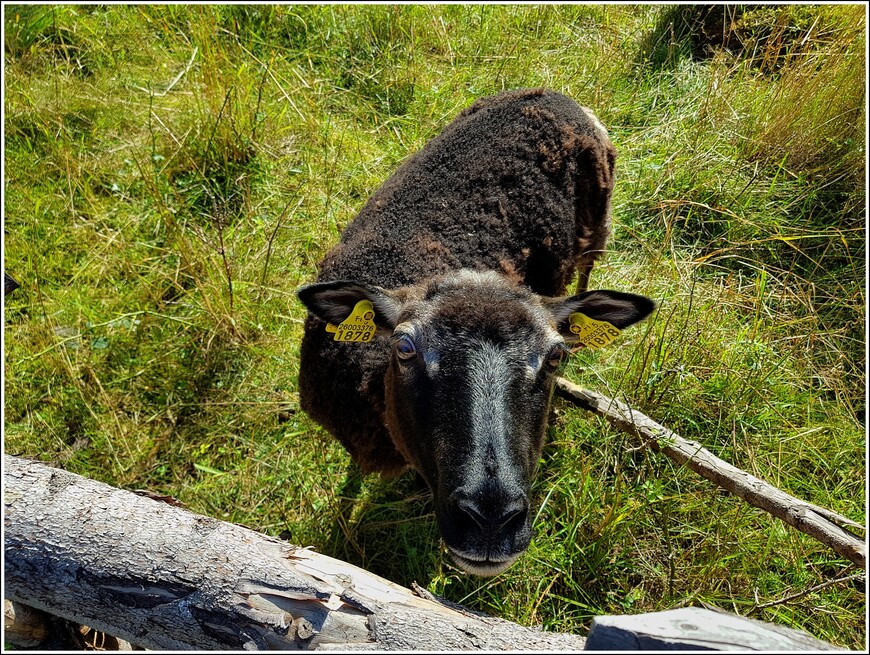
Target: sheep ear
(9,284)
(619,309)
(333,302)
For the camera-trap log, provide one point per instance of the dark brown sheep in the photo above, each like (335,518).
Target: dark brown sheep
(461,253)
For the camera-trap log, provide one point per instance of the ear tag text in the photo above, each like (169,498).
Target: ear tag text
(359,327)
(590,332)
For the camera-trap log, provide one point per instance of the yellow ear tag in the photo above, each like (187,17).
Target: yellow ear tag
(591,333)
(359,327)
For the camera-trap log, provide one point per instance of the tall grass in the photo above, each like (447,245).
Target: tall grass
(173,173)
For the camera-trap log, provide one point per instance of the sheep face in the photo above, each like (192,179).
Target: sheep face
(468,385)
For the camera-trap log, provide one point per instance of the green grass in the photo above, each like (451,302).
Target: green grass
(174,173)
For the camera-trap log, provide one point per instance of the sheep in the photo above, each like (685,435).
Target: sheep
(464,255)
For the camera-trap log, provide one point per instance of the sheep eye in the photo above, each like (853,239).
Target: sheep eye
(556,355)
(405,348)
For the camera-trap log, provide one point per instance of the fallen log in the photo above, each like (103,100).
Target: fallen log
(162,577)
(151,573)
(822,524)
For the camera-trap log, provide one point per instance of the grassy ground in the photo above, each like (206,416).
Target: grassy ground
(174,173)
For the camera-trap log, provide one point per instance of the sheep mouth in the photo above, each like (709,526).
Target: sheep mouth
(481,566)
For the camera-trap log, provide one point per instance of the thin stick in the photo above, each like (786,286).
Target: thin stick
(275,232)
(173,82)
(821,525)
(818,587)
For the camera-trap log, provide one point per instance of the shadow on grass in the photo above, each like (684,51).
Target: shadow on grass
(385,526)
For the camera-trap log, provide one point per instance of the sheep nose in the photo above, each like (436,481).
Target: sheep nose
(494,515)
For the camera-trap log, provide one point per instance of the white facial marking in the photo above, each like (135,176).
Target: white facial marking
(490,379)
(533,365)
(404,328)
(478,278)
(432,359)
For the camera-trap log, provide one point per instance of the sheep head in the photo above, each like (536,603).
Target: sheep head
(468,386)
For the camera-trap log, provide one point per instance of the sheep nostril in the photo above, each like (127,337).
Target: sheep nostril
(495,517)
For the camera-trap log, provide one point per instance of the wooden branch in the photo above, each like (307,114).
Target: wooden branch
(820,523)
(161,577)
(696,628)
(805,592)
